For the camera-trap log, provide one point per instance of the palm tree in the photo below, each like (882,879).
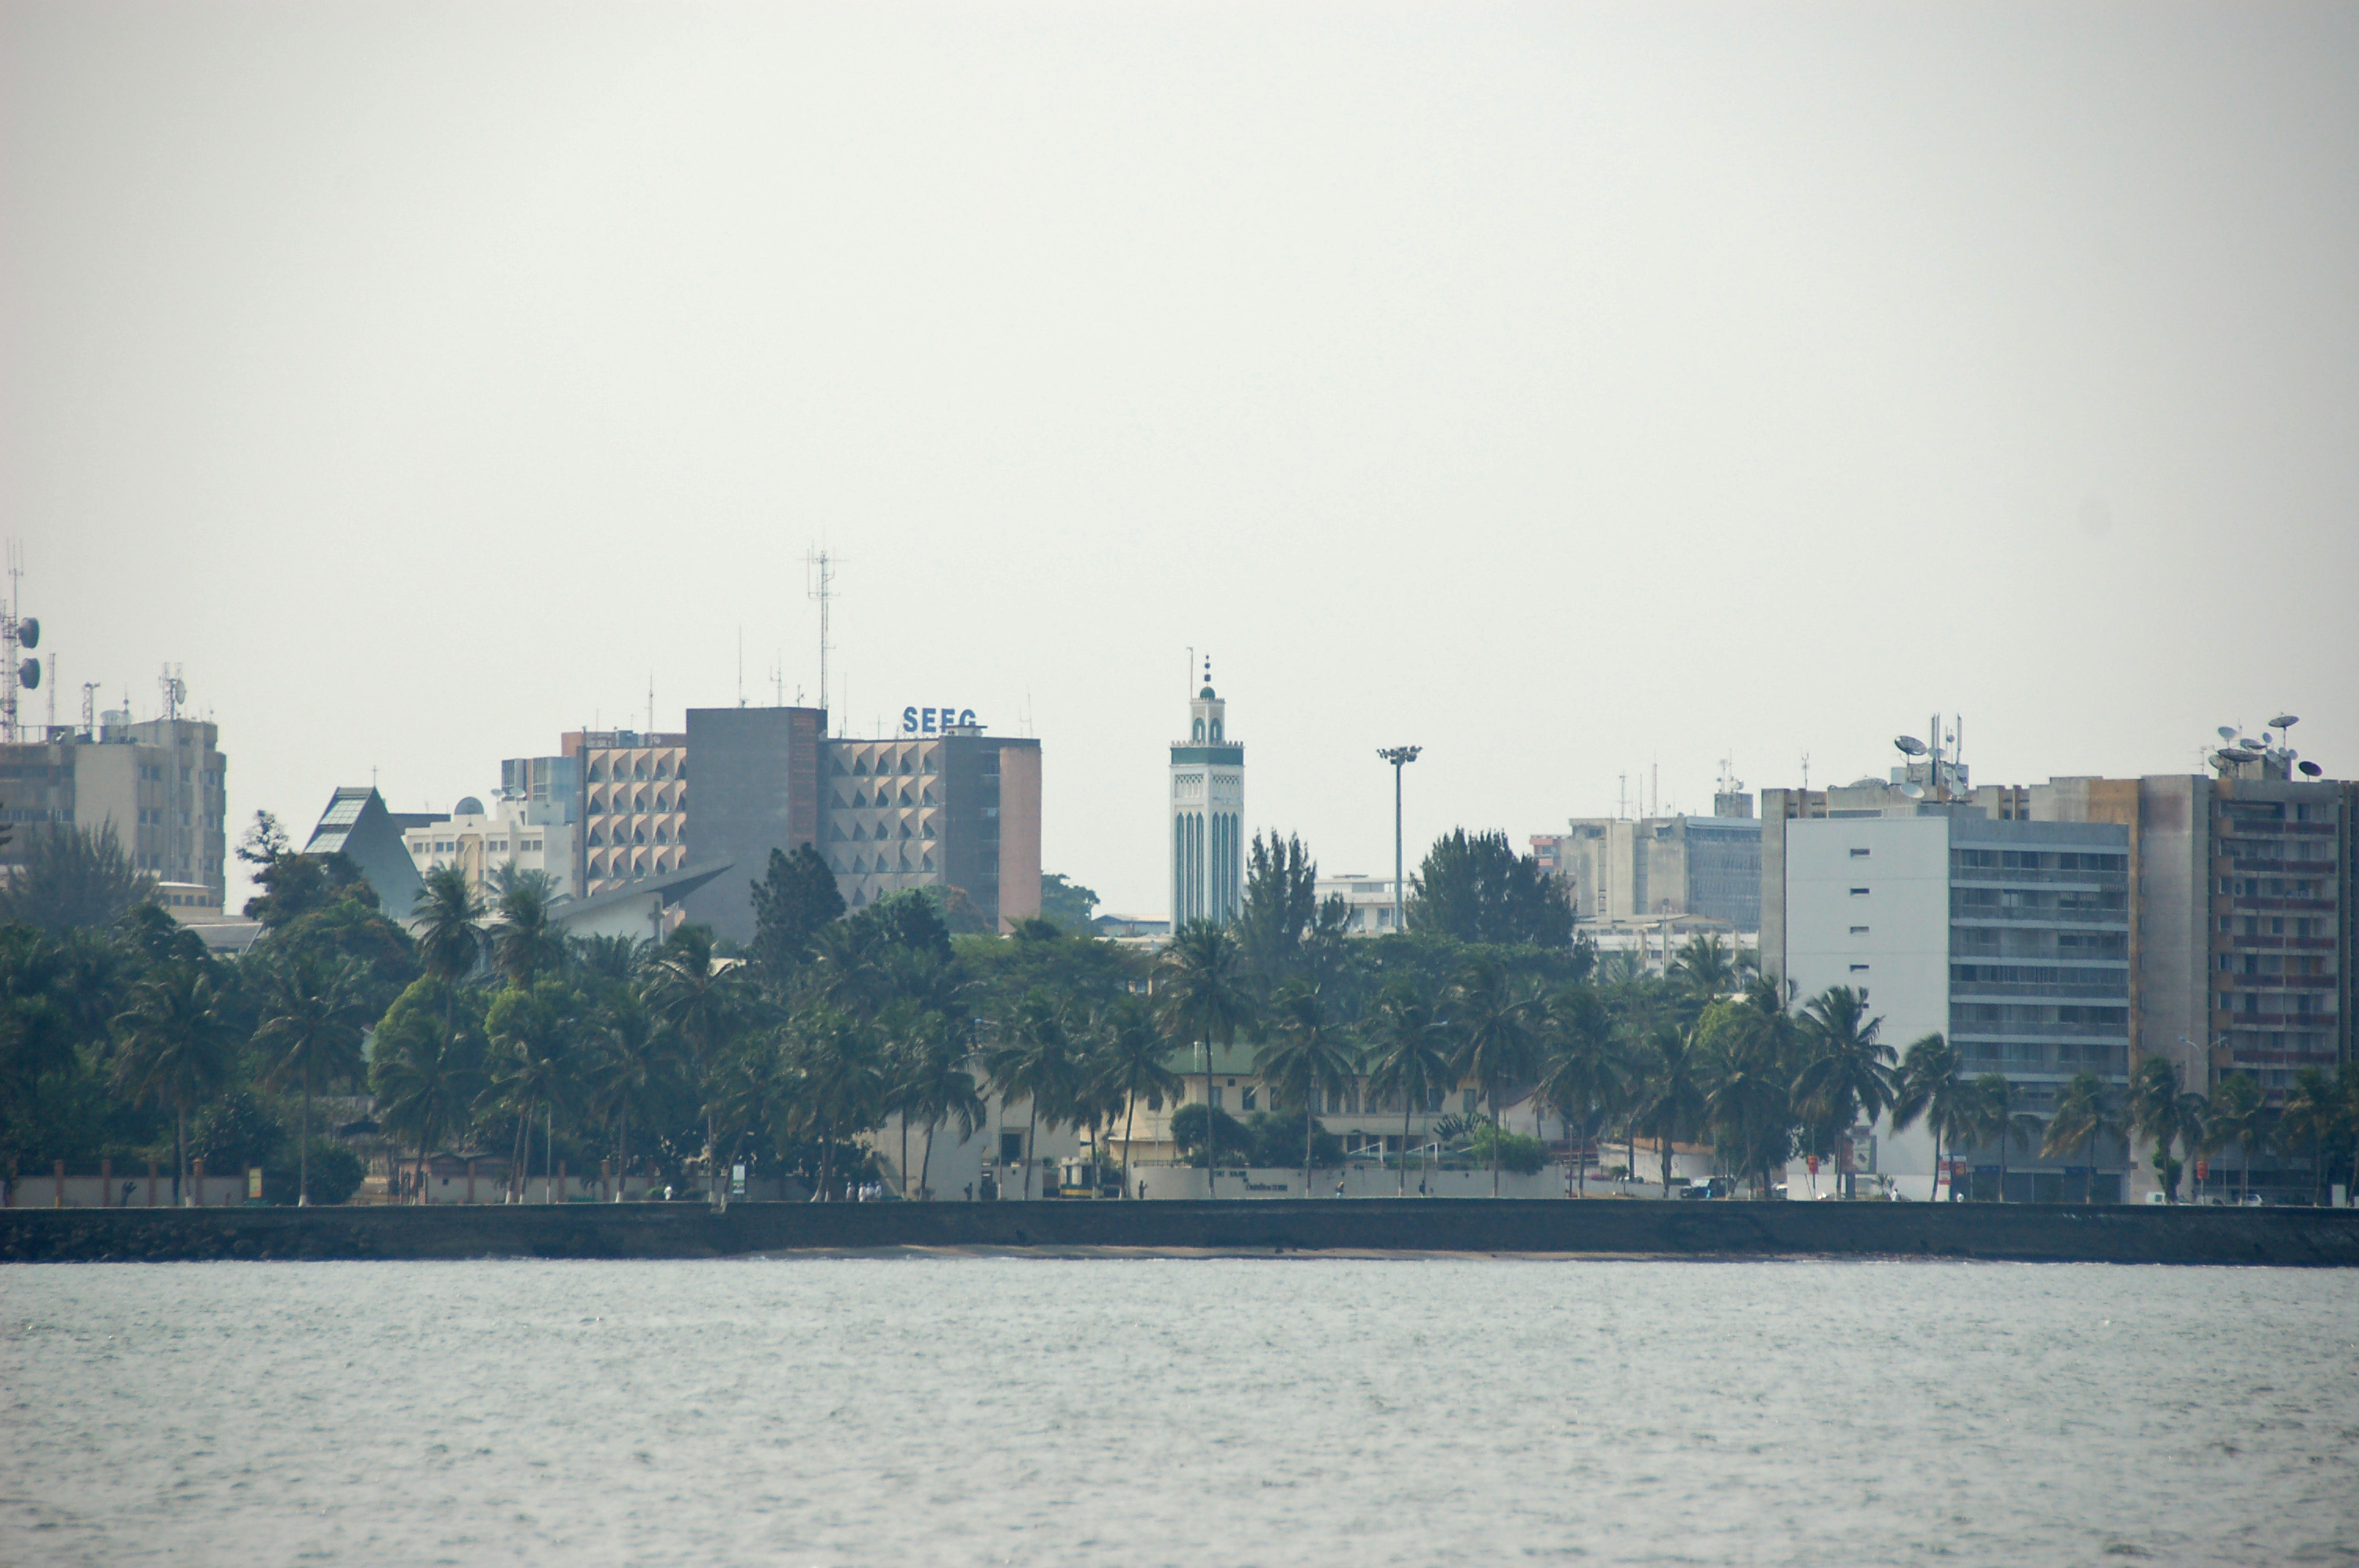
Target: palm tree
(1996,1120)
(1581,1076)
(1036,1062)
(1310,1055)
(1930,1086)
(2311,1118)
(1206,998)
(1130,1065)
(172,1045)
(1746,1078)
(426,1072)
(1411,1057)
(2083,1116)
(2238,1115)
(1670,1094)
(694,995)
(313,1011)
(633,1053)
(448,920)
(943,1090)
(530,1032)
(844,1080)
(1701,972)
(526,943)
(1496,1018)
(2161,1109)
(1849,1071)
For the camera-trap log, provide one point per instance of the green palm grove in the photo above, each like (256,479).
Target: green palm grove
(475,1025)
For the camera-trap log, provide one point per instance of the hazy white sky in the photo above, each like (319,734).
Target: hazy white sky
(1573,391)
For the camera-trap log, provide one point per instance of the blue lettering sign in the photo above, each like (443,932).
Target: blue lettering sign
(935,720)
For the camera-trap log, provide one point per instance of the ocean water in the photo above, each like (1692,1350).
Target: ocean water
(952,1410)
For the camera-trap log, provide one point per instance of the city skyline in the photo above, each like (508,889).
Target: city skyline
(1573,395)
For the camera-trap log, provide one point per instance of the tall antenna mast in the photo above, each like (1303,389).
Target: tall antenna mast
(9,632)
(174,688)
(90,709)
(820,584)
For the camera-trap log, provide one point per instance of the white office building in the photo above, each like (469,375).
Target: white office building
(483,841)
(2011,938)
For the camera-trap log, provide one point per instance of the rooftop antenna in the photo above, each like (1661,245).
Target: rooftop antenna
(1806,773)
(90,709)
(175,690)
(18,633)
(819,583)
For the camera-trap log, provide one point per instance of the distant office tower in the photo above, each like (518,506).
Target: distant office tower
(634,811)
(944,806)
(159,784)
(1207,803)
(757,790)
(1625,871)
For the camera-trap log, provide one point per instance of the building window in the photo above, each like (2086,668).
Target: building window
(1859,969)
(1246,1102)
(1859,892)
(1859,930)
(1859,854)
(1216,1096)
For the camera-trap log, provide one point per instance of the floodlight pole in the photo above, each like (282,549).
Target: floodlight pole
(1399,757)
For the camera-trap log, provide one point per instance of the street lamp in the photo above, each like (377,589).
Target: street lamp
(1399,757)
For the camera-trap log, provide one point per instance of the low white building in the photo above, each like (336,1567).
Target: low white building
(1367,902)
(483,841)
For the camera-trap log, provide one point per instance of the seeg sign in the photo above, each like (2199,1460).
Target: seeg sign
(933,720)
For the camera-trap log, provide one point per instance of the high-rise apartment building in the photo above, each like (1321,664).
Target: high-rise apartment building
(2238,896)
(1207,815)
(633,810)
(159,783)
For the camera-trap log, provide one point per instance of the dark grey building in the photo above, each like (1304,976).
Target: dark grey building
(754,789)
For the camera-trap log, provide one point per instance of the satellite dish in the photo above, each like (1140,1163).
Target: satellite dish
(2254,747)
(2227,732)
(2282,721)
(1914,792)
(2311,769)
(29,671)
(28,632)
(1909,745)
(2231,759)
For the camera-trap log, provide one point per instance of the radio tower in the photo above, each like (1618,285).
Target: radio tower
(818,569)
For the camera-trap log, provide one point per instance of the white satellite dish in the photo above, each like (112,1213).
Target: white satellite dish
(1914,792)
(2227,732)
(1909,745)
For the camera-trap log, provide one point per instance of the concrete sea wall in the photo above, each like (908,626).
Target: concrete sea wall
(2034,1233)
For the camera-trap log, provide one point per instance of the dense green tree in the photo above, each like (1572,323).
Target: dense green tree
(697,995)
(1669,1094)
(792,902)
(1035,1060)
(1066,903)
(1474,888)
(68,877)
(1745,1070)
(448,920)
(530,1035)
(2308,1122)
(1282,930)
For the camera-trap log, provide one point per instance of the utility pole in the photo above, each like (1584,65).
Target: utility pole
(1399,757)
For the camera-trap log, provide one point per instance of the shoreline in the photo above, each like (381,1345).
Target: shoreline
(1404,1228)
